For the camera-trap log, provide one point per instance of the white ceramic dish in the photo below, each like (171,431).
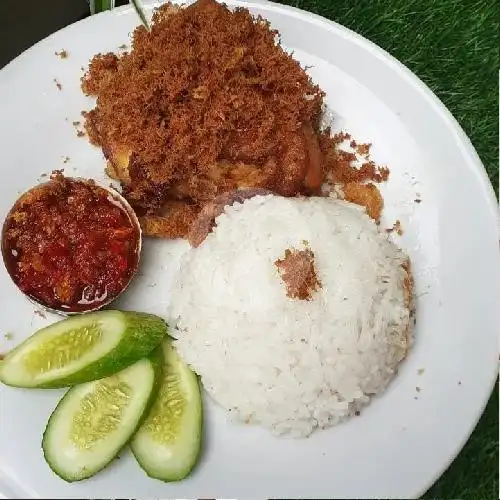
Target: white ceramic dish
(405,439)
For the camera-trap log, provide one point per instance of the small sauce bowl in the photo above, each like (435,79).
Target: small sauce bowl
(70,245)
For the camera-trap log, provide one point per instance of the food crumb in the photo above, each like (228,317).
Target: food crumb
(58,85)
(364,149)
(63,54)
(415,397)
(80,133)
(459,383)
(43,175)
(75,124)
(418,200)
(357,413)
(396,227)
(40,313)
(417,389)
(420,371)
(66,159)
(123,46)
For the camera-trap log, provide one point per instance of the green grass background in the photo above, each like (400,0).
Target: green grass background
(452,45)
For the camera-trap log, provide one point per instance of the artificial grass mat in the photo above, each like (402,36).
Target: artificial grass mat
(452,45)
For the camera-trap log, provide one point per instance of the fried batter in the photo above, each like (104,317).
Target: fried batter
(175,222)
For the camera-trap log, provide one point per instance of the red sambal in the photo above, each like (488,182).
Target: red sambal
(70,244)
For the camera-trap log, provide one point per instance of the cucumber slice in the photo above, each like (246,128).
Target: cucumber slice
(82,348)
(94,421)
(168,443)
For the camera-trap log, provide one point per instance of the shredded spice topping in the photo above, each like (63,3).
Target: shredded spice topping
(205,103)
(366,195)
(206,219)
(396,227)
(298,273)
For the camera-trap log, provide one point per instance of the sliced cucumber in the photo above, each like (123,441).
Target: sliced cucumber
(168,443)
(82,348)
(93,421)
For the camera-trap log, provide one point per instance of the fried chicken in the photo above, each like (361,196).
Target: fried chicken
(206,219)
(206,103)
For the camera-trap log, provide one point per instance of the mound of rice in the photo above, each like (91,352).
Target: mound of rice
(293,365)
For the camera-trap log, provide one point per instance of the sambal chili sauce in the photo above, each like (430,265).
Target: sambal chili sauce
(70,245)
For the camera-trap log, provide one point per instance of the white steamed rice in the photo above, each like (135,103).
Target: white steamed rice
(293,365)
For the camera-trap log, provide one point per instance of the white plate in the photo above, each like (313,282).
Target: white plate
(405,439)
